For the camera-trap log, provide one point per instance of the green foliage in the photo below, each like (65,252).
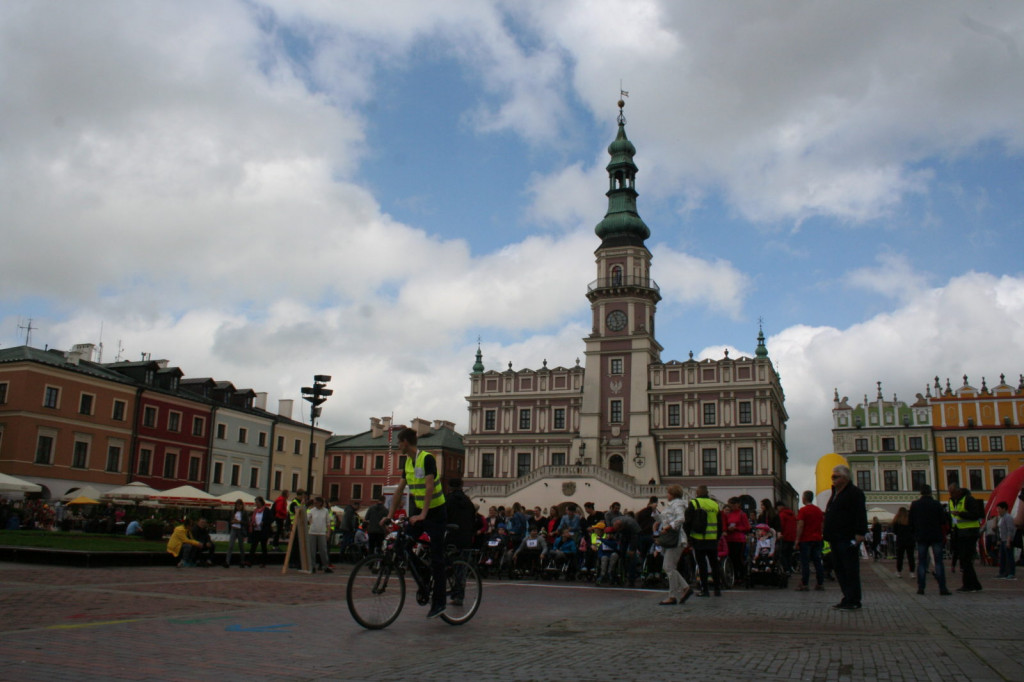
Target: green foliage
(94,542)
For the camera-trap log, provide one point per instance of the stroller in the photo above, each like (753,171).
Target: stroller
(763,565)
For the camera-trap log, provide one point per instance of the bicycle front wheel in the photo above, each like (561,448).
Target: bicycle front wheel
(463,590)
(375,592)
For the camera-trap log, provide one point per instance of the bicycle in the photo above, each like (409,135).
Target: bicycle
(376,586)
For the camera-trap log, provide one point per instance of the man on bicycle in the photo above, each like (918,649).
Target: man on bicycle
(429,514)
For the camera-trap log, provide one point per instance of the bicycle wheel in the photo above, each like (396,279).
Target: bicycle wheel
(728,574)
(463,590)
(375,592)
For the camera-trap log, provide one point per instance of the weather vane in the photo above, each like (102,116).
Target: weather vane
(622,95)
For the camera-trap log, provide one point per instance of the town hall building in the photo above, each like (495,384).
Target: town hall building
(626,424)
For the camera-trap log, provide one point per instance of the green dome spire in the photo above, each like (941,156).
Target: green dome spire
(622,224)
(478,367)
(762,350)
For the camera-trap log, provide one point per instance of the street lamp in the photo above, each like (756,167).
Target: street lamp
(315,395)
(639,458)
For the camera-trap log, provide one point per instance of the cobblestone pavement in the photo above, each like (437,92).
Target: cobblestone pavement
(214,624)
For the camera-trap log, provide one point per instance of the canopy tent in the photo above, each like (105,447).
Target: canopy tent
(83,491)
(12,484)
(1006,491)
(136,490)
(884,515)
(83,500)
(185,495)
(230,497)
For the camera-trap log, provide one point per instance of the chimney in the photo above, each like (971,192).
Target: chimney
(284,408)
(80,351)
(421,426)
(261,400)
(443,424)
(375,428)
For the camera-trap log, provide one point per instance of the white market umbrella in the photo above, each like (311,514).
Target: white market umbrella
(184,495)
(884,515)
(229,498)
(84,491)
(13,484)
(136,490)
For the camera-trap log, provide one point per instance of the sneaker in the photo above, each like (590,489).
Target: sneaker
(435,611)
(849,607)
(898,574)
(1010,577)
(840,605)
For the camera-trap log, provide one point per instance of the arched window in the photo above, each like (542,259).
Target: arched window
(616,276)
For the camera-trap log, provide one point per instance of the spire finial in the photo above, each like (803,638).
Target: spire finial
(622,103)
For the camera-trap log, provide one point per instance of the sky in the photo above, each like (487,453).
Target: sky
(262,191)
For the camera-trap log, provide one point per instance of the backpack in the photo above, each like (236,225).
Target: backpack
(700,519)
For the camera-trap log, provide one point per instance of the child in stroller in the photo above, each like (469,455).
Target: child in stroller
(764,567)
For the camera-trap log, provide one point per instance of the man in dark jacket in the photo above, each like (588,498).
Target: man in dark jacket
(846,522)
(926,520)
(966,513)
(375,533)
(462,513)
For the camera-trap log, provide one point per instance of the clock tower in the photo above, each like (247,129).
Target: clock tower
(615,423)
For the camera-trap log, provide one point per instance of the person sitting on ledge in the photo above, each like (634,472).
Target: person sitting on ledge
(182,538)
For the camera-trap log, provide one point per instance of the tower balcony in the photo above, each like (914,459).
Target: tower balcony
(624,285)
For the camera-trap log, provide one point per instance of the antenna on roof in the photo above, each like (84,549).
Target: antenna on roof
(28,331)
(99,345)
(120,351)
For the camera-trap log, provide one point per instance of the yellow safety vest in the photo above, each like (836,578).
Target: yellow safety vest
(962,524)
(711,507)
(416,479)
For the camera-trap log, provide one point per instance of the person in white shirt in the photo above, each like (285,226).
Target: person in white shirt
(318,530)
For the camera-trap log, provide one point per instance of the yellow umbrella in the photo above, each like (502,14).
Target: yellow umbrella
(84,500)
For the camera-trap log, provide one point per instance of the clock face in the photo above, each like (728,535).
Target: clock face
(616,320)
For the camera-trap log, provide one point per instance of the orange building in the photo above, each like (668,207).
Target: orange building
(979,434)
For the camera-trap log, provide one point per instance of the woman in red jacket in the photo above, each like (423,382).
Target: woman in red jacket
(736,525)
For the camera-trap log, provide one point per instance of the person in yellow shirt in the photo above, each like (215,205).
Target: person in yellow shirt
(182,538)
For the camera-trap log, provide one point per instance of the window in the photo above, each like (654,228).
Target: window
(378,463)
(174,421)
(616,365)
(864,480)
(951,445)
(198,426)
(261,440)
(297,447)
(891,480)
(295,481)
(170,465)
(977,479)
(746,413)
(149,416)
(559,417)
(277,480)
(113,458)
(918,478)
(145,459)
(997,477)
(675,462)
(746,461)
(335,491)
(377,491)
(916,443)
(860,445)
(254,477)
(952,476)
(236,474)
(995,443)
(616,275)
(616,413)
(218,472)
(888,445)
(44,450)
(80,455)
(336,462)
(973,444)
(3,393)
(709,460)
(85,402)
(51,397)
(524,420)
(357,491)
(119,409)
(558,459)
(709,414)
(487,465)
(674,412)
(243,435)
(193,468)
(522,463)
(359,462)
(280,446)
(489,420)
(222,431)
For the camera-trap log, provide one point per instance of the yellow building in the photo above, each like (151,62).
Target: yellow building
(979,434)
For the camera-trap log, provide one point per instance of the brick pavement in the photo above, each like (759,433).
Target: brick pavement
(213,624)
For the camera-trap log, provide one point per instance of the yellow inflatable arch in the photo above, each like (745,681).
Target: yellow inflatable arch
(823,474)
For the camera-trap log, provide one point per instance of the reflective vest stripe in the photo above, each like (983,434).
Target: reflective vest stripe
(711,507)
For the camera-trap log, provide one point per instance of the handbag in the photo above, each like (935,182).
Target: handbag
(668,538)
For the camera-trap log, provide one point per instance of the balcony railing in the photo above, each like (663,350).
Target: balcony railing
(623,282)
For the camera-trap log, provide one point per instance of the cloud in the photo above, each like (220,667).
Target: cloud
(893,277)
